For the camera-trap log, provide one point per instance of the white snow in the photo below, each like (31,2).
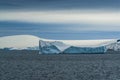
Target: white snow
(89,43)
(19,41)
(114,46)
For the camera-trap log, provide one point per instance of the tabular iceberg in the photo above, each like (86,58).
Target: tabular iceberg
(74,46)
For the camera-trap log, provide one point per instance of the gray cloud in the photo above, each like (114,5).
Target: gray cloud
(58,4)
(64,23)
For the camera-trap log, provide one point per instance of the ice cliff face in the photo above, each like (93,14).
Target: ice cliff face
(47,47)
(78,50)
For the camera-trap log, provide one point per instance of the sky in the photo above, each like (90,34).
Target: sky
(61,19)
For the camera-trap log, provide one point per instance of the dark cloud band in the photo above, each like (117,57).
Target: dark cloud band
(58,4)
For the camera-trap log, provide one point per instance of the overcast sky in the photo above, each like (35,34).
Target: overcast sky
(61,19)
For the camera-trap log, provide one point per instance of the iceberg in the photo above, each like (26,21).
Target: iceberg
(74,46)
(48,46)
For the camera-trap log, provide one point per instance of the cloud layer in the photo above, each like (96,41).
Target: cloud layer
(58,4)
(62,17)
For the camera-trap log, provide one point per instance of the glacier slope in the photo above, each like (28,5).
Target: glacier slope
(19,41)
